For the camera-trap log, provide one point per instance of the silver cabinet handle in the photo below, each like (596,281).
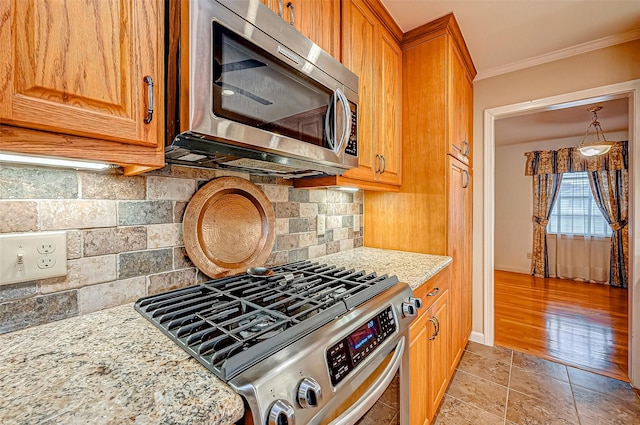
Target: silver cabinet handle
(149,81)
(377,163)
(466,148)
(434,293)
(293,17)
(434,335)
(384,164)
(466,181)
(280,8)
(438,323)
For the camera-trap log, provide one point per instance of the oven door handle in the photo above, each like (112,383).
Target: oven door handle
(368,399)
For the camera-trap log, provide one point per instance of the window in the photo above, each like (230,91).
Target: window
(575,211)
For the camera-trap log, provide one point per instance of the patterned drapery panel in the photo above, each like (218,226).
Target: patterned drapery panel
(545,192)
(609,180)
(570,160)
(611,193)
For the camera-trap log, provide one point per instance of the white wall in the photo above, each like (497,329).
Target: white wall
(615,64)
(513,236)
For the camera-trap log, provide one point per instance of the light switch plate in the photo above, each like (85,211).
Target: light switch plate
(356,223)
(32,256)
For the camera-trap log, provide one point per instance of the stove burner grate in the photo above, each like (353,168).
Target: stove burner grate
(231,323)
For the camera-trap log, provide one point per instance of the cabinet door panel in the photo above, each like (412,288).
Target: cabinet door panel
(320,21)
(460,110)
(419,337)
(459,184)
(77,67)
(439,353)
(389,106)
(359,55)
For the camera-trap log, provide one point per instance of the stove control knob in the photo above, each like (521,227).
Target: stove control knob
(281,413)
(408,309)
(309,393)
(417,302)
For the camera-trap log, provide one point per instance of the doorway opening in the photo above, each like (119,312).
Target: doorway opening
(628,90)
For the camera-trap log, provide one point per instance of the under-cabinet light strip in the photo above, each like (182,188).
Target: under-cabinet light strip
(54,162)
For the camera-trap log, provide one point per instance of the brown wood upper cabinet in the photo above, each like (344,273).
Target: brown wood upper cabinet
(371,49)
(317,19)
(81,78)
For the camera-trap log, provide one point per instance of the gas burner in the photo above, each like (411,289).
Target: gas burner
(257,325)
(333,295)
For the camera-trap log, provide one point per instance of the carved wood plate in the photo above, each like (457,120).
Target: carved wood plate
(229,226)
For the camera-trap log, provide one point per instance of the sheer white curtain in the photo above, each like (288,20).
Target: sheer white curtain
(579,238)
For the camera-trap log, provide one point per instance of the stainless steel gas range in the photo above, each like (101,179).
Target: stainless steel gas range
(312,344)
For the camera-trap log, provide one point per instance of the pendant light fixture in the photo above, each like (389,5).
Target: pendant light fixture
(597,147)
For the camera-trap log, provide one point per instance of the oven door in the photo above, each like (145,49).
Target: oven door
(369,387)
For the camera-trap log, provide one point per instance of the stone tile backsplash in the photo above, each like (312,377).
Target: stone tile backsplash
(124,234)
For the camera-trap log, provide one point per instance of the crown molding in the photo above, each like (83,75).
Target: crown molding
(578,49)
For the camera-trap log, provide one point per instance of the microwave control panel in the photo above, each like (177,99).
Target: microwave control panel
(352,142)
(346,354)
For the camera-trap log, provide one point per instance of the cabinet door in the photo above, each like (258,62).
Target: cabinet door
(320,21)
(467,283)
(460,109)
(438,353)
(420,332)
(389,107)
(359,55)
(457,222)
(78,67)
(317,19)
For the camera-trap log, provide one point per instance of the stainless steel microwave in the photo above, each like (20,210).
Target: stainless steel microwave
(248,92)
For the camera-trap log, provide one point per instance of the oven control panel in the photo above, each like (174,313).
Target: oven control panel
(346,354)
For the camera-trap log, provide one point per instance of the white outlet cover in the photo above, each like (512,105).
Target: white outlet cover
(32,256)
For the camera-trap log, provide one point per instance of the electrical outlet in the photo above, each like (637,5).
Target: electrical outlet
(528,256)
(356,223)
(32,256)
(320,224)
(46,262)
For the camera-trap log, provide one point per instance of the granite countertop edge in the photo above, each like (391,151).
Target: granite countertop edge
(114,366)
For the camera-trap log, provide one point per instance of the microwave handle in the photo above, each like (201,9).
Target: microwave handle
(329,122)
(346,129)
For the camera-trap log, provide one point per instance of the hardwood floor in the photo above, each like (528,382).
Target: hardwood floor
(584,325)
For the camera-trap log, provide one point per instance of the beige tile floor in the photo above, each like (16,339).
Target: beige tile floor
(498,386)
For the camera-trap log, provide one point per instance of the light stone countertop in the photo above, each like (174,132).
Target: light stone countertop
(108,367)
(410,267)
(115,367)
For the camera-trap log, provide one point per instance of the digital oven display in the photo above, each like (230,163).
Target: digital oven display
(358,340)
(346,354)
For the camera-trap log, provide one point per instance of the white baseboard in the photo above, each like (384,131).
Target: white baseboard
(477,337)
(512,269)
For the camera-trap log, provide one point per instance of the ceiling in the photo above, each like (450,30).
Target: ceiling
(507,35)
(502,34)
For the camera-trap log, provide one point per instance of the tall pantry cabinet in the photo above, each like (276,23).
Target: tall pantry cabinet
(432,212)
